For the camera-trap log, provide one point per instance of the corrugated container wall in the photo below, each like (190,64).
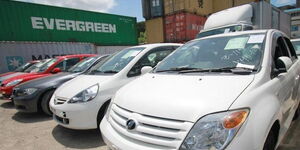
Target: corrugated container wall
(22,21)
(155,30)
(182,27)
(152,8)
(14,54)
(200,7)
(219,5)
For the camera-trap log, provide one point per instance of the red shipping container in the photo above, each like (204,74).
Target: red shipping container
(182,27)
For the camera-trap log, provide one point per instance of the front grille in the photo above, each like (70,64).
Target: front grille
(59,101)
(156,132)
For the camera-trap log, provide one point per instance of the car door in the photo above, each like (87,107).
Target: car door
(285,83)
(296,72)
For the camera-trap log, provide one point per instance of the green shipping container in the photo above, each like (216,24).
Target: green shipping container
(34,22)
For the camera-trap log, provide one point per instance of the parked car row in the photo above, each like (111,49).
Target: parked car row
(229,91)
(50,67)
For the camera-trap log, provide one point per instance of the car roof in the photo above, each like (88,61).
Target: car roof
(157,45)
(75,55)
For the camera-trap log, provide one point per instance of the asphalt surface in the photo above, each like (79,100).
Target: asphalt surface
(22,131)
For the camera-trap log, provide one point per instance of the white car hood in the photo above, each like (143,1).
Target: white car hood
(181,97)
(78,84)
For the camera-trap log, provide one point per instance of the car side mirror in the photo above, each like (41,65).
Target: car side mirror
(56,70)
(146,69)
(283,64)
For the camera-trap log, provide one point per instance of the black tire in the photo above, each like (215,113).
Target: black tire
(45,102)
(271,141)
(102,112)
(297,113)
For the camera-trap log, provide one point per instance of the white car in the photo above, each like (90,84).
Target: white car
(81,103)
(234,91)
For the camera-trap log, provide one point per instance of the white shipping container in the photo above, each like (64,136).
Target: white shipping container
(14,54)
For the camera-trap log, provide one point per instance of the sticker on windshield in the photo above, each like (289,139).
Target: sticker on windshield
(236,43)
(256,38)
(226,30)
(245,66)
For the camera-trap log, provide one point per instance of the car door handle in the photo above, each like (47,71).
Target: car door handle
(297,77)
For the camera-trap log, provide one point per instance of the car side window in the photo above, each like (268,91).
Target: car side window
(71,62)
(280,49)
(150,59)
(291,49)
(60,65)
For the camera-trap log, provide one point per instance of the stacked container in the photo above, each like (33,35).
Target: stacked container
(182,27)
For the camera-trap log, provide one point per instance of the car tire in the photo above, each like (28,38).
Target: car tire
(45,102)
(270,143)
(102,113)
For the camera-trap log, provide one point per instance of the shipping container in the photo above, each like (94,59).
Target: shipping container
(200,7)
(155,30)
(182,27)
(14,54)
(219,5)
(152,8)
(22,21)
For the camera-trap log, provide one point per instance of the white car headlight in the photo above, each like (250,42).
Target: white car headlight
(215,131)
(29,91)
(86,95)
(15,82)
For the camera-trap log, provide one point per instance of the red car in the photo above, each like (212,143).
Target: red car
(55,65)
(22,68)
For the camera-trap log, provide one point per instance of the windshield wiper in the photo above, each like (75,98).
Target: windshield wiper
(177,69)
(110,71)
(236,70)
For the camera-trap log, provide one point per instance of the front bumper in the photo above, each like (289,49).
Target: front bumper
(27,103)
(80,116)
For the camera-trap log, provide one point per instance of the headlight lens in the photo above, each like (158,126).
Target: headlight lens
(13,83)
(215,131)
(86,95)
(29,91)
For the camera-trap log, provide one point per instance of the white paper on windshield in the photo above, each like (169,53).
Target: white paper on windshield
(226,30)
(236,43)
(245,66)
(256,38)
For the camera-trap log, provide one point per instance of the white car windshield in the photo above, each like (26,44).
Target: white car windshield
(116,62)
(243,51)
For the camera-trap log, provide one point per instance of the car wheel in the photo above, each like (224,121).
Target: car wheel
(297,113)
(102,112)
(45,102)
(271,141)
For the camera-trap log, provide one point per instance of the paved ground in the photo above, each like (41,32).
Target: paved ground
(39,132)
(19,131)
